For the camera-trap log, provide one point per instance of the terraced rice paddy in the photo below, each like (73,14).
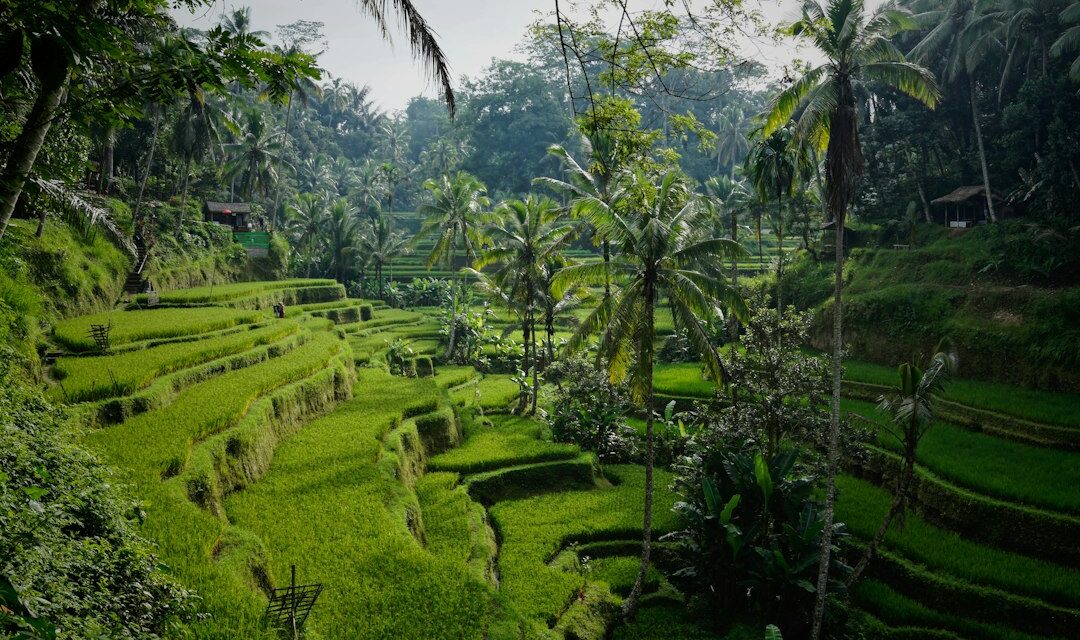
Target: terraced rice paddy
(426,511)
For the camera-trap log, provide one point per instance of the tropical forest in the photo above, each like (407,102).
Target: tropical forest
(540,320)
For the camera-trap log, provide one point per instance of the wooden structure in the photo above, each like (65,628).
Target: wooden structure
(290,606)
(965,207)
(235,215)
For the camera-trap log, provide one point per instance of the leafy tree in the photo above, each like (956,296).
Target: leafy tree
(912,409)
(594,189)
(453,215)
(525,235)
(964,37)
(343,234)
(858,50)
(306,223)
(658,258)
(382,246)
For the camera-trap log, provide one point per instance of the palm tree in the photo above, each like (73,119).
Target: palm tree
(342,236)
(313,175)
(594,189)
(1031,27)
(421,39)
(306,223)
(382,246)
(857,49)
(1069,41)
(772,165)
(238,23)
(658,258)
(194,135)
(368,188)
(963,36)
(254,155)
(730,196)
(912,409)
(526,235)
(731,142)
(300,88)
(453,214)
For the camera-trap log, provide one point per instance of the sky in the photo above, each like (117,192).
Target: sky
(472,32)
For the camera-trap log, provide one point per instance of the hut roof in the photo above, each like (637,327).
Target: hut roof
(222,207)
(962,194)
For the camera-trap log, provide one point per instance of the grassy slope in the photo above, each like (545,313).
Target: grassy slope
(1023,473)
(327,505)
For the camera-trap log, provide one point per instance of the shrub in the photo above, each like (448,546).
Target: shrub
(588,411)
(68,539)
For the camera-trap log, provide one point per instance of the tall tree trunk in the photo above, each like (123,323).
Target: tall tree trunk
(606,244)
(183,190)
(25,149)
(903,486)
(146,173)
(42,213)
(108,154)
(982,150)
(645,353)
(453,315)
(734,325)
(925,203)
(284,144)
(535,363)
(779,262)
(834,431)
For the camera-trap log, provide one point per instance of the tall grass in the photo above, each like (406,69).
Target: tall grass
(327,506)
(97,377)
(1038,406)
(1036,476)
(133,326)
(510,440)
(862,505)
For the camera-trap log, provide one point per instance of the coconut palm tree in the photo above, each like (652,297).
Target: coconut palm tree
(382,245)
(525,236)
(343,234)
(857,49)
(238,23)
(912,408)
(731,139)
(313,175)
(724,196)
(254,156)
(368,188)
(1069,41)
(772,165)
(962,35)
(594,188)
(194,135)
(453,216)
(306,223)
(658,258)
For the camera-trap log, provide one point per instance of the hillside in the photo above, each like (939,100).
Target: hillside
(1006,295)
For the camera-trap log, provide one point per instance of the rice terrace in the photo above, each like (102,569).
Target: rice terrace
(561,320)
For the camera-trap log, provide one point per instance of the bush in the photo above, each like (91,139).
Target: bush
(588,411)
(67,538)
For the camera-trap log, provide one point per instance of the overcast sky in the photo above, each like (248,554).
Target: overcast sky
(472,32)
